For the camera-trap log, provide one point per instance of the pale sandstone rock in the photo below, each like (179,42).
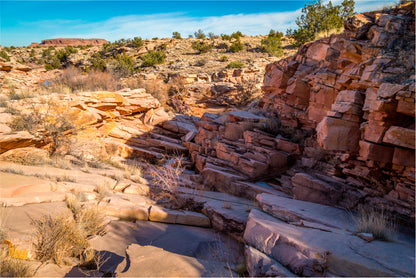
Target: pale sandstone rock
(260,265)
(190,218)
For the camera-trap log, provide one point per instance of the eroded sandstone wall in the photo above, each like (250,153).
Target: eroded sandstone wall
(355,92)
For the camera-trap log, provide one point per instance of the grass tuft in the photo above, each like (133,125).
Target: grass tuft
(58,237)
(377,223)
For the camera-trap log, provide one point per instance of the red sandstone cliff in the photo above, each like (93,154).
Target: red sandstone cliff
(73,42)
(356,92)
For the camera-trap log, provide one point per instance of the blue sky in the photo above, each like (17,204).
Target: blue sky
(23,22)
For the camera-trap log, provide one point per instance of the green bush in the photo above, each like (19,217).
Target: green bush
(97,62)
(272,46)
(4,55)
(225,37)
(136,42)
(224,59)
(236,46)
(236,35)
(317,18)
(121,65)
(201,47)
(275,34)
(199,34)
(235,65)
(153,58)
(48,67)
(176,35)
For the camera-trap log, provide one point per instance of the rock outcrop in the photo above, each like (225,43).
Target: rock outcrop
(72,41)
(355,93)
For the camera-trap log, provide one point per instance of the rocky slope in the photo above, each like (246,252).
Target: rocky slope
(333,133)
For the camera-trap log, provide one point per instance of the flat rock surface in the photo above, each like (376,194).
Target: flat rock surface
(200,250)
(17,220)
(306,213)
(328,253)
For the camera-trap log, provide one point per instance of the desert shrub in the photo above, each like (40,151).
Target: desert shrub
(275,34)
(153,58)
(90,220)
(176,35)
(58,237)
(211,35)
(235,65)
(167,180)
(199,34)
(73,80)
(225,37)
(11,267)
(158,89)
(97,62)
(48,67)
(20,95)
(317,17)
(375,222)
(224,59)
(53,123)
(236,46)
(4,101)
(121,65)
(201,47)
(272,46)
(32,53)
(236,35)
(201,62)
(103,190)
(135,42)
(246,92)
(4,55)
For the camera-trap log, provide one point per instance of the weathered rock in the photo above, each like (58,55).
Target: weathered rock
(338,135)
(16,140)
(400,136)
(260,265)
(73,42)
(164,215)
(309,251)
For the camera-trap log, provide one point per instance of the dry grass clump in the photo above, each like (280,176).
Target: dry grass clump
(167,180)
(103,191)
(11,267)
(159,90)
(3,228)
(73,80)
(58,237)
(376,222)
(90,220)
(87,216)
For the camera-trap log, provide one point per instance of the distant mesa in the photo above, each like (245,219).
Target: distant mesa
(67,41)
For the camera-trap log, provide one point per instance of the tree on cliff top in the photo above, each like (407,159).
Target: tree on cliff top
(317,18)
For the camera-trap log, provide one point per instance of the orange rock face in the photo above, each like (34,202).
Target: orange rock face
(73,42)
(355,93)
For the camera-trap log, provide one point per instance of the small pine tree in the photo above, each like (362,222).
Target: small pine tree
(317,18)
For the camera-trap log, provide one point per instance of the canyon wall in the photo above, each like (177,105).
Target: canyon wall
(355,92)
